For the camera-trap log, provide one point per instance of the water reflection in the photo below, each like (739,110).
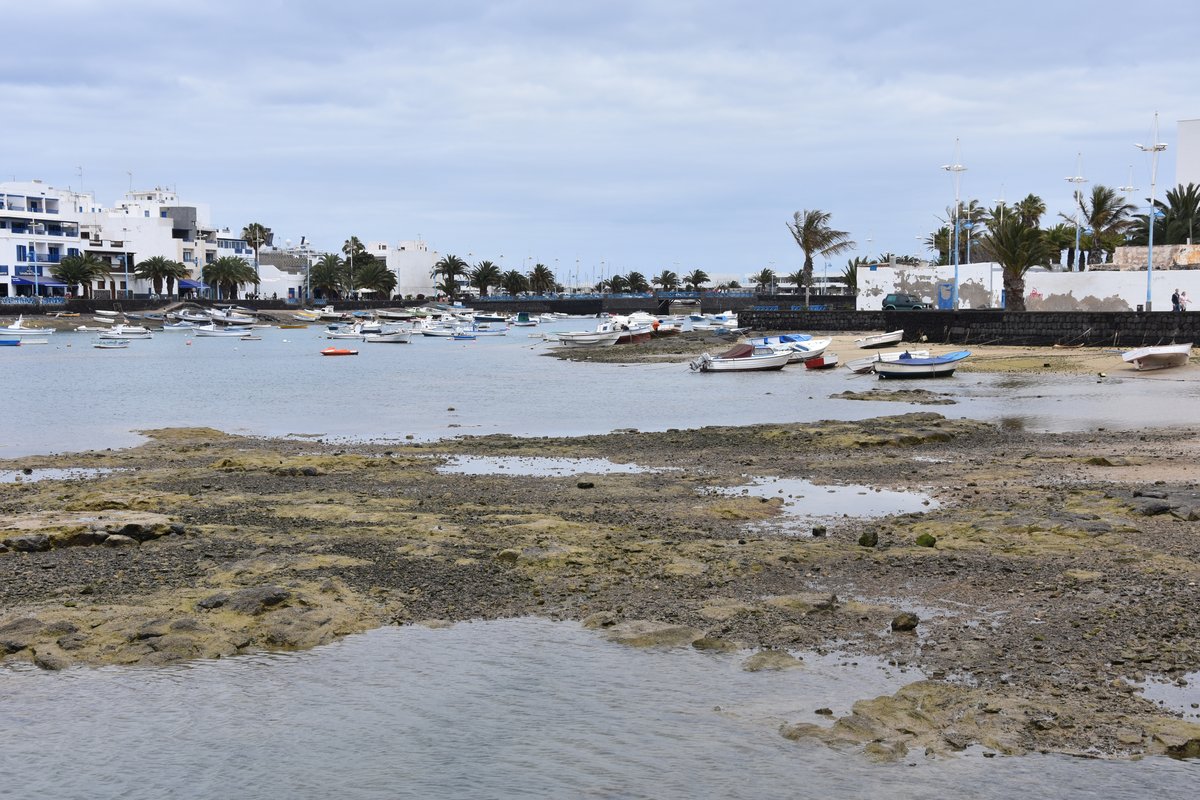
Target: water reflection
(806,503)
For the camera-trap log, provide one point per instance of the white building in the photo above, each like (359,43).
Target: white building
(412,262)
(1187,159)
(39,225)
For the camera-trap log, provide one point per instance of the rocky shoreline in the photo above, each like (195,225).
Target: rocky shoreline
(1053,574)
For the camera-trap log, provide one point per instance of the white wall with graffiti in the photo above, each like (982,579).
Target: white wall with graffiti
(982,286)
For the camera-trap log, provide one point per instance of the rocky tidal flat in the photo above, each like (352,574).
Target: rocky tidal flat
(1052,577)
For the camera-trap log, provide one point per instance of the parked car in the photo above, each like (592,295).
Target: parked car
(903,302)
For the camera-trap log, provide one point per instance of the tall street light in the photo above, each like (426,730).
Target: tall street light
(1077,179)
(1154,148)
(956,169)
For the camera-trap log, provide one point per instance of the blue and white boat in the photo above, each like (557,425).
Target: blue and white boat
(942,366)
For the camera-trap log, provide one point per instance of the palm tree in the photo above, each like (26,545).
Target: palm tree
(850,273)
(811,231)
(229,273)
(1016,247)
(1030,210)
(159,269)
(695,279)
(377,278)
(637,282)
(449,268)
(766,278)
(256,235)
(616,284)
(666,280)
(328,276)
(80,270)
(541,279)
(484,275)
(939,242)
(1060,237)
(1181,214)
(514,282)
(1106,213)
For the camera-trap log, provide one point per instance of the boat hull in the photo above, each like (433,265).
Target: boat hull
(707,363)
(1159,357)
(880,339)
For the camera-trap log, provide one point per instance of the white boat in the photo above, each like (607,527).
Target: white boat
(1159,356)
(107,313)
(123,331)
(19,328)
(396,337)
(741,358)
(942,366)
(31,340)
(802,351)
(111,344)
(523,320)
(400,314)
(91,328)
(194,316)
(880,339)
(179,326)
(867,364)
(605,335)
(222,333)
(230,317)
(782,338)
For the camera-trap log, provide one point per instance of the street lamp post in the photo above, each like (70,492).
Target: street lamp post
(1077,179)
(969,226)
(956,169)
(1154,148)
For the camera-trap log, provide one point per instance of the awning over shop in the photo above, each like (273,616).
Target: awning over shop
(47,282)
(184,283)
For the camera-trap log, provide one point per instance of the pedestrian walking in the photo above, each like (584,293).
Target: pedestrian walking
(1175,301)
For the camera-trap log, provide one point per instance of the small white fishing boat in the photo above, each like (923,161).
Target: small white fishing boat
(19,328)
(221,333)
(249,337)
(91,328)
(741,358)
(111,344)
(395,337)
(942,366)
(864,365)
(605,335)
(179,326)
(802,351)
(1159,356)
(123,331)
(880,339)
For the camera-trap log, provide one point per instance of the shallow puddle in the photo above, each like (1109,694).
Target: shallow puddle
(537,465)
(1171,695)
(806,503)
(52,474)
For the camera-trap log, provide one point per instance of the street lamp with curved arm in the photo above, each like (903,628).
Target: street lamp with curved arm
(1154,148)
(956,169)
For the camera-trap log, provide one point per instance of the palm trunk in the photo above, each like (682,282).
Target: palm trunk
(1014,293)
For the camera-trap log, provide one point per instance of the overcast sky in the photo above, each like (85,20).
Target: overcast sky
(647,135)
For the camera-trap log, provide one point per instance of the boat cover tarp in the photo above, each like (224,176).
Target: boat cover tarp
(738,351)
(184,283)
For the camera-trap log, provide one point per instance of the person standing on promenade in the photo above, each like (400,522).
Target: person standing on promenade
(1175,301)
(1183,301)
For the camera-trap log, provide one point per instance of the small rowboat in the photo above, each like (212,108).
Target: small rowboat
(1159,357)
(741,358)
(338,351)
(862,366)
(823,361)
(880,339)
(251,338)
(111,344)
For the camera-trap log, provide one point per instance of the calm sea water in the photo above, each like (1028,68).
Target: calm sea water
(72,397)
(511,709)
(519,708)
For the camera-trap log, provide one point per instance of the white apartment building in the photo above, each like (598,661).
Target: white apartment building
(39,225)
(412,262)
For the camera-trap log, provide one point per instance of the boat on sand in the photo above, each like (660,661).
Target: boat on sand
(880,339)
(942,366)
(1159,356)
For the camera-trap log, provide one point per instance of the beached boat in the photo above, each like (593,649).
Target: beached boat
(603,336)
(942,366)
(823,361)
(802,351)
(19,328)
(741,358)
(783,338)
(395,314)
(1159,356)
(179,326)
(864,365)
(91,328)
(338,351)
(880,339)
